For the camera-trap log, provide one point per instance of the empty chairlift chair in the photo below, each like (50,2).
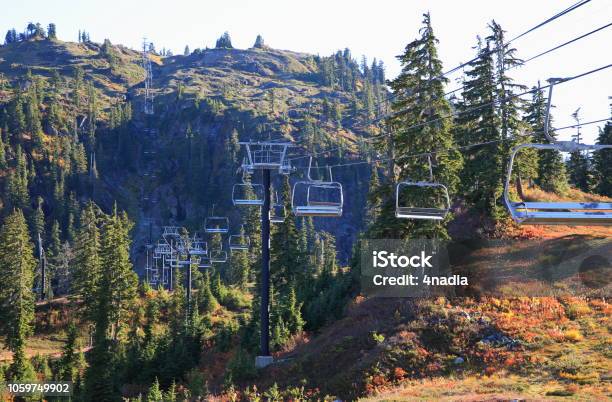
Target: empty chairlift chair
(198,247)
(556,213)
(247,194)
(317,197)
(218,255)
(239,242)
(216,224)
(432,198)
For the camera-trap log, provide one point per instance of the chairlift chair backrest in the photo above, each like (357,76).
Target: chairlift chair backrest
(556,213)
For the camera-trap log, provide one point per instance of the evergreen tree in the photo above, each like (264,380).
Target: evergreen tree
(38,220)
(70,360)
(88,267)
(155,394)
(551,175)
(240,267)
(478,122)
(602,161)
(373,201)
(295,322)
(259,42)
(114,294)
(285,265)
(208,301)
(224,42)
(119,280)
(52,31)
(186,52)
(17,266)
(420,125)
(2,152)
(17,182)
(509,108)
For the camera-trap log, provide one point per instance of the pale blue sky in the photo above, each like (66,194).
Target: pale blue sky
(375,28)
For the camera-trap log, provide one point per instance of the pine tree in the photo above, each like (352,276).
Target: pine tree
(478,122)
(17,182)
(421,124)
(285,265)
(118,277)
(551,175)
(70,360)
(240,266)
(38,220)
(52,31)
(259,42)
(509,108)
(208,301)
(186,52)
(114,294)
(373,201)
(155,394)
(88,266)
(295,322)
(602,162)
(2,152)
(224,42)
(17,266)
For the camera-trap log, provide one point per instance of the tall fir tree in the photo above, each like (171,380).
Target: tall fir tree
(17,266)
(420,124)
(285,262)
(476,122)
(87,272)
(551,175)
(118,277)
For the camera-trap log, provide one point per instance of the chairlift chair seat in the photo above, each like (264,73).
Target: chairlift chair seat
(318,210)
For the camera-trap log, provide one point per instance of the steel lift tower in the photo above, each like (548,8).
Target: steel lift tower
(266,157)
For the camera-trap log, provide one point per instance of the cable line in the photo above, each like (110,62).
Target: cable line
(457,148)
(455,114)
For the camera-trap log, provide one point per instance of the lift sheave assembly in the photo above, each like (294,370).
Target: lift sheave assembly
(555,213)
